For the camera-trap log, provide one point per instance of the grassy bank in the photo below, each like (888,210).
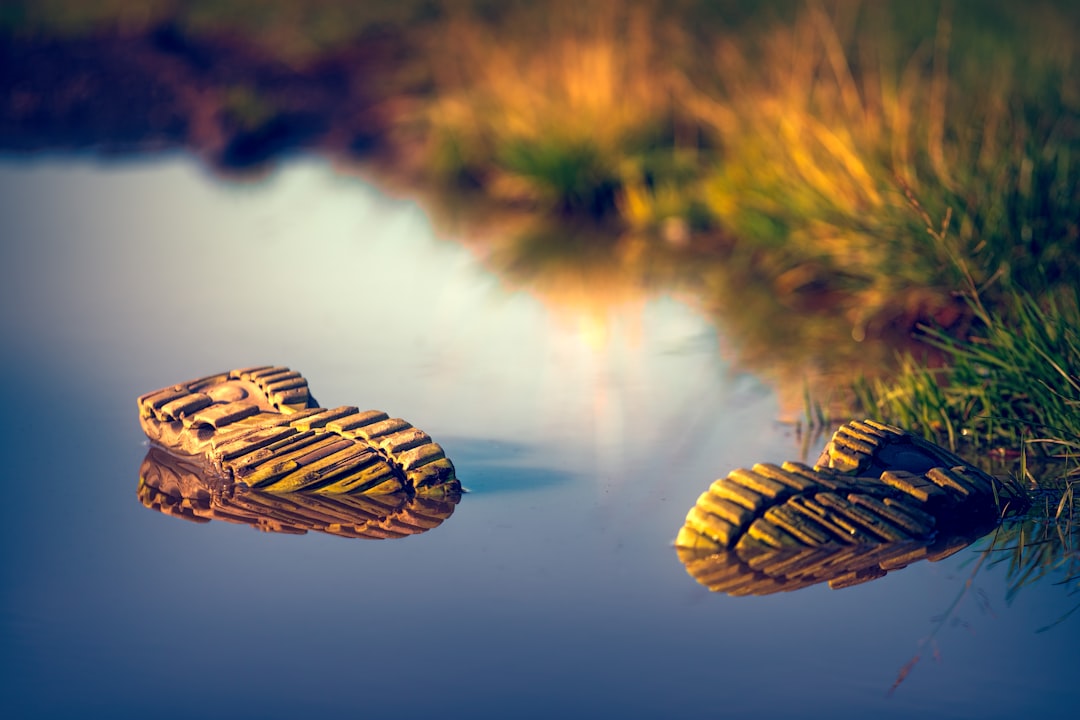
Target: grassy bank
(1013,385)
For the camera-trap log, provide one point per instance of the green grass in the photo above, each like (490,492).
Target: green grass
(1011,389)
(833,123)
(1013,383)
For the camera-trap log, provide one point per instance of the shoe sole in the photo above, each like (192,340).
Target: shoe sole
(877,498)
(259,426)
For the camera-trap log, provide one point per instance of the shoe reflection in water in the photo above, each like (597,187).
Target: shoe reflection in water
(176,486)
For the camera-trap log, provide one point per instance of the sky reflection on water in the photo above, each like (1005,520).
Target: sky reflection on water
(553,588)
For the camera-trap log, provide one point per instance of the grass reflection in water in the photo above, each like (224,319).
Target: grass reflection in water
(1034,550)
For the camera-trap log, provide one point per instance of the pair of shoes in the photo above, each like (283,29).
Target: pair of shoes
(260,427)
(877,499)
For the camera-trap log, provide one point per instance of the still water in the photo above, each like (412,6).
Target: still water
(552,590)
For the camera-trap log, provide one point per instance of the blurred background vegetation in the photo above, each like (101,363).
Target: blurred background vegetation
(823,178)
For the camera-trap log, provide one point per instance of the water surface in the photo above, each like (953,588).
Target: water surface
(552,590)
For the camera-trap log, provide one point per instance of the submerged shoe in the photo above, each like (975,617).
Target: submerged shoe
(260,427)
(178,485)
(878,498)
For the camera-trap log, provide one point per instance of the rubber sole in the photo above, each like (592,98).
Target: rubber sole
(260,427)
(878,497)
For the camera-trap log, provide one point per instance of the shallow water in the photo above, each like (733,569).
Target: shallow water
(553,589)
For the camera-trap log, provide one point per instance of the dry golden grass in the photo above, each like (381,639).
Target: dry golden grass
(589,69)
(556,97)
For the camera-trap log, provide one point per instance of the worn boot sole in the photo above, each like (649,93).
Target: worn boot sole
(260,427)
(877,498)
